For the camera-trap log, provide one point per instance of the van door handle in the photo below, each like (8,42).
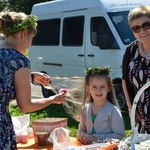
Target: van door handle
(81,55)
(91,55)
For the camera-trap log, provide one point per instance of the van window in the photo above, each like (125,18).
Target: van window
(48,32)
(101,34)
(73,31)
(120,22)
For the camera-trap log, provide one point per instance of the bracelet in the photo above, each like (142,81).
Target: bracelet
(32,77)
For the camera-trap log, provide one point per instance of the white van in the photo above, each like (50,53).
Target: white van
(75,34)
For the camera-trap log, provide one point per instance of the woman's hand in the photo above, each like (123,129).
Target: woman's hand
(137,115)
(58,98)
(41,78)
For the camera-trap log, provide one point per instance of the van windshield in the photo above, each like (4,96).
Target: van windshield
(120,22)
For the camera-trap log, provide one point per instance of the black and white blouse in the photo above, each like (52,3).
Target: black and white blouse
(136,73)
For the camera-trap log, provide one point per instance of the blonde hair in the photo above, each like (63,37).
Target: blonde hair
(138,12)
(76,98)
(8,20)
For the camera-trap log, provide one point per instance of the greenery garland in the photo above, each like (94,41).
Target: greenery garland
(30,21)
(97,70)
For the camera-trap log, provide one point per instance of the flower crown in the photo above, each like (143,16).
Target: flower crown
(30,21)
(97,70)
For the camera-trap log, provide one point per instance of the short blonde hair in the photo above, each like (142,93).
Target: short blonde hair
(138,12)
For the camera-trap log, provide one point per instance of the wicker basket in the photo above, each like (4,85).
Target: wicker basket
(136,137)
(48,125)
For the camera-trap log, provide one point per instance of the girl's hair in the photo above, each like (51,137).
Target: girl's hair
(73,103)
(13,22)
(110,96)
(138,12)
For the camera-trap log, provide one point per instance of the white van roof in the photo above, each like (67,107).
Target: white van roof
(70,5)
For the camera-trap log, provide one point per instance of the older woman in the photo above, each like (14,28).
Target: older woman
(136,66)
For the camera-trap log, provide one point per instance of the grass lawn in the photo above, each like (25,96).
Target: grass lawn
(58,111)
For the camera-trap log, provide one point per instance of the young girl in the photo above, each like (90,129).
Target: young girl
(100,118)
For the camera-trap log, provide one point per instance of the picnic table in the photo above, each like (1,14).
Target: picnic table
(31,145)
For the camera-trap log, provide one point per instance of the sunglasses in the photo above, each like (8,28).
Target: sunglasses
(144,26)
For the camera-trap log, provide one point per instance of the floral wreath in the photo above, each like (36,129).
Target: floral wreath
(30,21)
(97,70)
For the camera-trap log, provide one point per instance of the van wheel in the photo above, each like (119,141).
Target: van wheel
(120,97)
(47,92)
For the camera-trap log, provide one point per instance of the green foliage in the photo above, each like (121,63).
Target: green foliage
(127,121)
(2,5)
(73,132)
(97,70)
(14,110)
(20,5)
(30,21)
(127,124)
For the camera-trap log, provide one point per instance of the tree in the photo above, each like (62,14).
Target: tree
(2,5)
(20,5)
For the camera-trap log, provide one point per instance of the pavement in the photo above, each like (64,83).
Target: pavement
(36,91)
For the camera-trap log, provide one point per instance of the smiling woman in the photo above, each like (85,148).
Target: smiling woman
(136,66)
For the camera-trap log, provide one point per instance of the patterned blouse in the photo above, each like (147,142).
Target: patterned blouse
(138,71)
(10,61)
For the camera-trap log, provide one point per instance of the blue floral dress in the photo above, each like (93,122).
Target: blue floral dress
(10,61)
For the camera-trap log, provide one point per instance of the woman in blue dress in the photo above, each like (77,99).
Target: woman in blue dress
(18,29)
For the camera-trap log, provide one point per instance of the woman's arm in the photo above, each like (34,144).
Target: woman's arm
(22,87)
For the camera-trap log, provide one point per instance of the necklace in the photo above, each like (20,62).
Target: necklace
(146,55)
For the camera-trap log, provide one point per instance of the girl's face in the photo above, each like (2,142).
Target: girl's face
(98,88)
(141,29)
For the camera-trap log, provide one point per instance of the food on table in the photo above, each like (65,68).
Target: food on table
(97,146)
(110,147)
